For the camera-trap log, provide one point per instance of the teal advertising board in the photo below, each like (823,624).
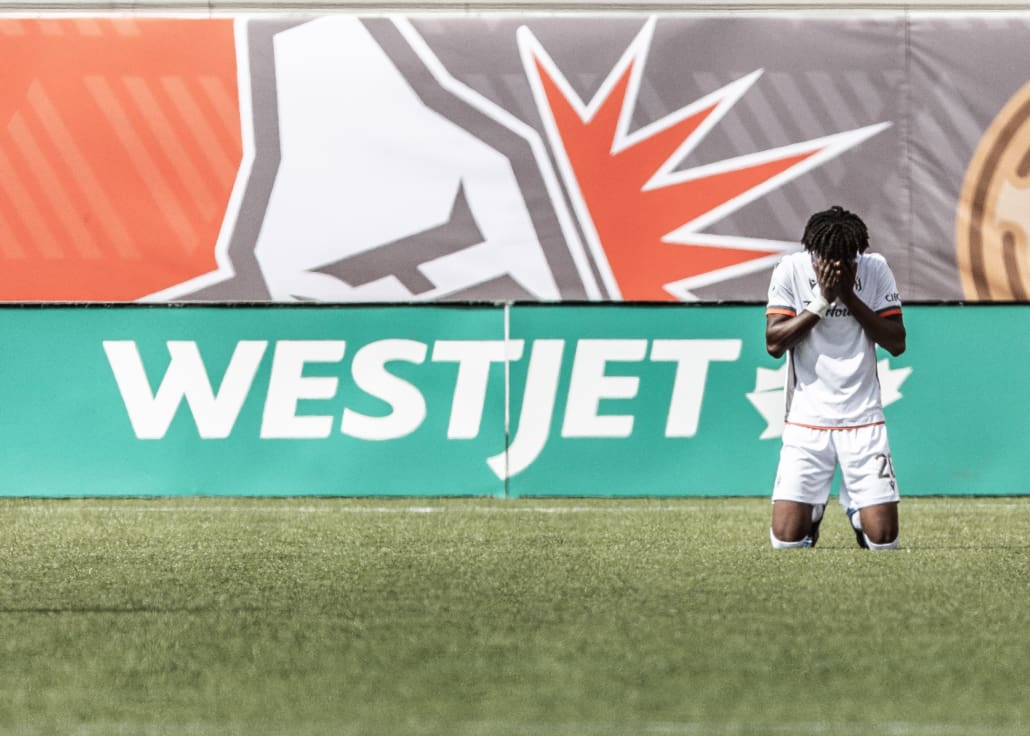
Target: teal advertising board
(648,400)
(482,400)
(691,403)
(354,401)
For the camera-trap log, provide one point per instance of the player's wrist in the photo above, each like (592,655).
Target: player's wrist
(848,297)
(818,306)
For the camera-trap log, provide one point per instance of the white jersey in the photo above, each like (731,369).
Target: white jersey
(831,373)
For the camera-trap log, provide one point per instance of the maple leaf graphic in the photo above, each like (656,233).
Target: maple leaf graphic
(768,396)
(642,217)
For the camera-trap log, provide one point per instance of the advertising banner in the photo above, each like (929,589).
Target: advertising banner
(525,400)
(538,158)
(652,400)
(164,401)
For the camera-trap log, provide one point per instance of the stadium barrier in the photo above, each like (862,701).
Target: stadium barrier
(472,400)
(500,158)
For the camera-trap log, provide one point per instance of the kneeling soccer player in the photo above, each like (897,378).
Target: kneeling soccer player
(829,306)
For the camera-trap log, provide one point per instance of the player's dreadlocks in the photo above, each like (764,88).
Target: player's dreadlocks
(835,234)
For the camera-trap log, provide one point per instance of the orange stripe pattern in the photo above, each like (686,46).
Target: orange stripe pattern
(121,146)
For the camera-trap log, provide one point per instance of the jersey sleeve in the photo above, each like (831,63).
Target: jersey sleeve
(781,292)
(886,301)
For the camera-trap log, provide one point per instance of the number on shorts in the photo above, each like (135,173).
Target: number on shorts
(886,465)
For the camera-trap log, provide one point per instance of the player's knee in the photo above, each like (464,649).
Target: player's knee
(881,546)
(786,535)
(791,522)
(778,543)
(880,525)
(883,536)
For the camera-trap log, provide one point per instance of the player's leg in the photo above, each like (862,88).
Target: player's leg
(868,479)
(791,520)
(880,524)
(795,524)
(802,487)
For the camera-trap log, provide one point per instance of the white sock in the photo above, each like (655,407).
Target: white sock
(880,547)
(779,544)
(855,517)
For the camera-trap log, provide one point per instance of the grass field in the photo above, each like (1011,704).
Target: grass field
(482,616)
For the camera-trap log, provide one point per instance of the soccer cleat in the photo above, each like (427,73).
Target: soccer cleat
(813,535)
(855,519)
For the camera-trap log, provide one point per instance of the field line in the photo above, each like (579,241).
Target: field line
(285,509)
(455,505)
(644,728)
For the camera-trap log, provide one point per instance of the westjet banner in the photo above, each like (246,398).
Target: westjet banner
(500,157)
(532,400)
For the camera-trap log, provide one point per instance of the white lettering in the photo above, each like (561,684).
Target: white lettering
(288,385)
(474,358)
(186,377)
(407,405)
(216,412)
(692,358)
(589,384)
(537,410)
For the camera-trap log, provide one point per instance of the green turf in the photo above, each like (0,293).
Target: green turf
(304,616)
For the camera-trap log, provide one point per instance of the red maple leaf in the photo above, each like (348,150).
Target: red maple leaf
(644,215)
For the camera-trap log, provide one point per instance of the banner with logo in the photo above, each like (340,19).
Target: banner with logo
(652,400)
(498,157)
(438,400)
(102,401)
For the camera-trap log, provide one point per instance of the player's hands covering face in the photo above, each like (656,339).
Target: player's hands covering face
(828,274)
(836,278)
(846,282)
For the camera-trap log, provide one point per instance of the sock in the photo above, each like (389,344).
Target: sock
(779,544)
(880,547)
(855,518)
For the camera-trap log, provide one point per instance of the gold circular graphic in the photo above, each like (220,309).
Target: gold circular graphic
(993,222)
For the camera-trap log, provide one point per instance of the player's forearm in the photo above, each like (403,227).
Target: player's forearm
(888,333)
(784,333)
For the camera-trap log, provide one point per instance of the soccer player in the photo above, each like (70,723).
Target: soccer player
(829,306)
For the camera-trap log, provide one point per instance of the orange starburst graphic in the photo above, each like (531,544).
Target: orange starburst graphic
(643,218)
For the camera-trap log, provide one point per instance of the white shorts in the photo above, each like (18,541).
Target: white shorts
(810,456)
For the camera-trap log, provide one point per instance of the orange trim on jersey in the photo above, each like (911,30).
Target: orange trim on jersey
(853,426)
(890,312)
(781,310)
